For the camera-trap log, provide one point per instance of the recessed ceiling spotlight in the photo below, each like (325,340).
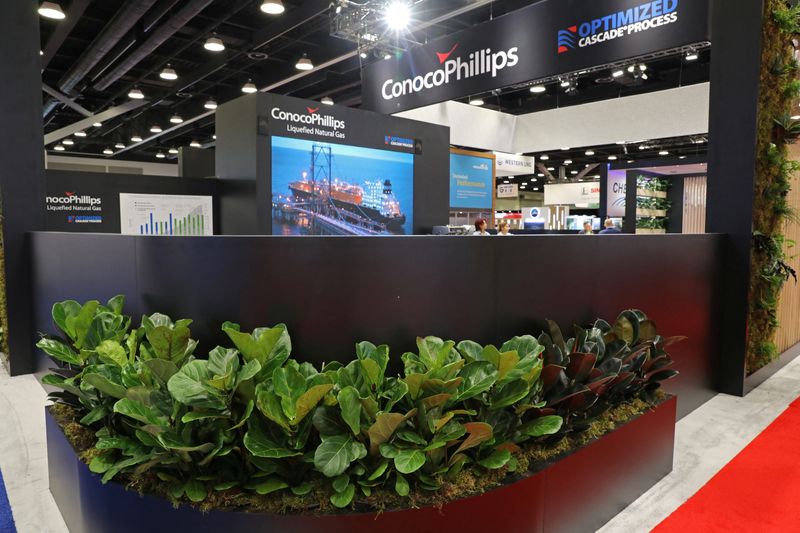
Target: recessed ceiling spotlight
(612,158)
(397,15)
(51,10)
(68,142)
(108,151)
(327,100)
(506,181)
(249,87)
(590,152)
(304,63)
(173,150)
(538,89)
(160,155)
(620,142)
(80,134)
(617,73)
(210,104)
(663,152)
(155,128)
(119,146)
(272,7)
(136,94)
(168,74)
(545,157)
(573,172)
(541,175)
(682,157)
(58,148)
(550,169)
(136,139)
(195,144)
(568,162)
(98,124)
(214,44)
(476,101)
(176,119)
(565,149)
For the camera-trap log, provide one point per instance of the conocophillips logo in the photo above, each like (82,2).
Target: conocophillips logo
(72,200)
(482,62)
(310,118)
(617,25)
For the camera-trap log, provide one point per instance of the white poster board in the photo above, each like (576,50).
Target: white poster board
(585,194)
(513,165)
(508,190)
(165,214)
(615,197)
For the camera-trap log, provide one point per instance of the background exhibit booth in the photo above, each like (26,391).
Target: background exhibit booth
(333,291)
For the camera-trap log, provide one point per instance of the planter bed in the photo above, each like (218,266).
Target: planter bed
(579,492)
(651,194)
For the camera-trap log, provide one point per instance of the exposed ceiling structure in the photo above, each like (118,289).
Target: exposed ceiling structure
(103,52)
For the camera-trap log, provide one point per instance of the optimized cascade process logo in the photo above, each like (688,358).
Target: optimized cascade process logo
(311,122)
(484,62)
(618,25)
(71,201)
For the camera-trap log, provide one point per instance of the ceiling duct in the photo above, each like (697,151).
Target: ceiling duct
(159,36)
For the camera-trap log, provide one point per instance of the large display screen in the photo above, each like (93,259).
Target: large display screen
(321,188)
(471,181)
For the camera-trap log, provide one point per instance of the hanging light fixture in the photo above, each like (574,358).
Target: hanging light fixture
(59,148)
(272,7)
(175,119)
(210,104)
(249,87)
(155,128)
(136,94)
(545,157)
(168,74)
(476,101)
(590,152)
(214,44)
(173,150)
(119,146)
(98,124)
(160,155)
(68,142)
(304,63)
(51,10)
(538,89)
(195,144)
(136,139)
(617,73)
(612,158)
(80,134)
(692,55)
(327,100)
(108,151)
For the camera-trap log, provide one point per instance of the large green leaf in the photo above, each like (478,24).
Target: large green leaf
(270,484)
(270,405)
(434,352)
(470,350)
(342,499)
(116,304)
(105,378)
(59,351)
(350,405)
(61,312)
(335,454)
(289,385)
(162,369)
(408,461)
(170,343)
(269,346)
(384,427)
(260,445)
(105,326)
(545,425)
(510,394)
(524,346)
(497,459)
(451,431)
(79,323)
(309,400)
(189,387)
(478,378)
(378,354)
(223,363)
(139,411)
(112,352)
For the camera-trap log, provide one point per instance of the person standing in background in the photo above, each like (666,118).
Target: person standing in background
(587,229)
(480,228)
(610,228)
(502,229)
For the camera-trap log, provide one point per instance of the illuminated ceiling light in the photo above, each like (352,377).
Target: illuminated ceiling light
(363,55)
(371,37)
(544,157)
(565,149)
(51,10)
(249,87)
(41,53)
(538,89)
(476,101)
(568,162)
(210,104)
(387,56)
(175,119)
(617,73)
(551,169)
(397,15)
(620,142)
(173,150)
(589,152)
(59,148)
(98,124)
(692,55)
(68,142)
(160,155)
(80,134)
(304,63)
(195,144)
(642,147)
(136,139)
(108,151)
(682,157)
(155,128)
(136,94)
(272,7)
(168,74)
(327,100)
(119,146)
(214,44)
(645,76)
(663,152)
(642,67)
(612,158)
(565,84)
(573,172)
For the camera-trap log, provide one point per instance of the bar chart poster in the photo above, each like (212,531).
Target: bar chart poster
(165,214)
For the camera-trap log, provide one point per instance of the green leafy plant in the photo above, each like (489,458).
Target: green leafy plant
(651,223)
(248,421)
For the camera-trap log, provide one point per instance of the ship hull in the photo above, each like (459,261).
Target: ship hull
(392,223)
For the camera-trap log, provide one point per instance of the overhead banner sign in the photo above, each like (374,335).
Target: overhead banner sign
(585,194)
(514,165)
(538,41)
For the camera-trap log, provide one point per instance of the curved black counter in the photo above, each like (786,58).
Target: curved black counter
(335,291)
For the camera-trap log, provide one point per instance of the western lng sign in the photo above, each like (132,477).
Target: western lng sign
(541,40)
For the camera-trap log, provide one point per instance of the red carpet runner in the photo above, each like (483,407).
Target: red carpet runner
(758,491)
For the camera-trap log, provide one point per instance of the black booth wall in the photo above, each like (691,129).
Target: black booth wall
(335,291)
(243,157)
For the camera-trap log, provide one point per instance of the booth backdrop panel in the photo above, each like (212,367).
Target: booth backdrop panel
(107,188)
(333,292)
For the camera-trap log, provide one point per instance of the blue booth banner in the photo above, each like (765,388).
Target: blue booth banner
(471,180)
(542,40)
